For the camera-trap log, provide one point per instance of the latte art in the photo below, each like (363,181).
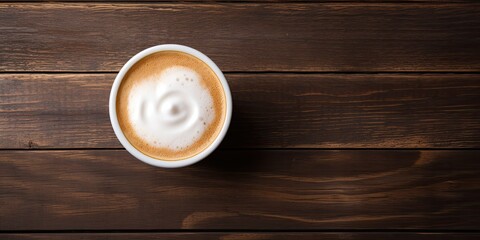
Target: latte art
(171,106)
(171,110)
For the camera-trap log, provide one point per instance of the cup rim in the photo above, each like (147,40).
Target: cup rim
(113,107)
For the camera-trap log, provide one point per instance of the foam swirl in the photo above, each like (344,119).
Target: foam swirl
(171,110)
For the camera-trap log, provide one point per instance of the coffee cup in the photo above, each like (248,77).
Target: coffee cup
(170,106)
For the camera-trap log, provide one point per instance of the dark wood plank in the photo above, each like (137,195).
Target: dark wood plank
(247,236)
(265,189)
(270,111)
(360,37)
(50,111)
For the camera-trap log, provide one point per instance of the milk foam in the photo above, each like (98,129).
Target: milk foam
(171,110)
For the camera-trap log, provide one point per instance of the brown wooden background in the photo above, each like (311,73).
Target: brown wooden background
(352,120)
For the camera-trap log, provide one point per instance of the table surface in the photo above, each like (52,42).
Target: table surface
(352,120)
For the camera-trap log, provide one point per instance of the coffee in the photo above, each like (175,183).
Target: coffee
(171,105)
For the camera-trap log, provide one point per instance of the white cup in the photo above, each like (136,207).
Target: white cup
(113,108)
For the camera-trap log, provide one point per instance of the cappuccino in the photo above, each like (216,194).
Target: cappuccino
(171,105)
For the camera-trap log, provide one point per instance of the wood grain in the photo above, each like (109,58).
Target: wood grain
(264,189)
(246,236)
(270,111)
(358,37)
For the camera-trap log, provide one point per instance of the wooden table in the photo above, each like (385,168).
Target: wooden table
(352,120)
